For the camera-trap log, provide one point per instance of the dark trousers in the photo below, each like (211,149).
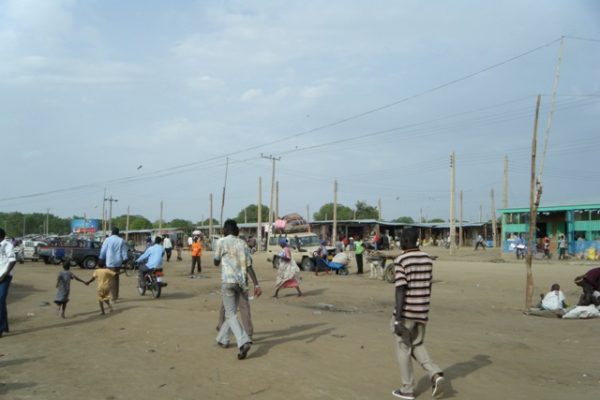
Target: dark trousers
(196,261)
(359,263)
(587,297)
(479,244)
(4,285)
(169,252)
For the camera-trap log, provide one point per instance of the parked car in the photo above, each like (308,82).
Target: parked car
(303,245)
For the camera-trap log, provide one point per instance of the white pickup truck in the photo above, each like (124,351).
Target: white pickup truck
(303,245)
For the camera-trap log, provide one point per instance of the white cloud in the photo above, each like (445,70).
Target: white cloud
(251,94)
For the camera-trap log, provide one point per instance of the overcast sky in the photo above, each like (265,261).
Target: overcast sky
(147,98)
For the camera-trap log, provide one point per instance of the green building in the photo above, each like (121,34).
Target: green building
(579,223)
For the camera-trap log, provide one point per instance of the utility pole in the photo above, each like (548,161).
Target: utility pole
(505,186)
(379,209)
(24,217)
(277,199)
(480,213)
(259,214)
(127,225)
(246,215)
(460,222)
(224,186)
(452,226)
(104,213)
(47,221)
(210,220)
(534,201)
(421,215)
(494,227)
(110,200)
(273,159)
(308,216)
(160,219)
(334,233)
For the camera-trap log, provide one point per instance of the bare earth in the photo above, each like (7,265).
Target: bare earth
(165,349)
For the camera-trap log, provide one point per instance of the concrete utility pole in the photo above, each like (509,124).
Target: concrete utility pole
(452,190)
(245,215)
(505,186)
(127,225)
(160,219)
(494,227)
(273,159)
(110,200)
(534,201)
(259,214)
(47,221)
(210,220)
(379,209)
(308,216)
(460,222)
(334,233)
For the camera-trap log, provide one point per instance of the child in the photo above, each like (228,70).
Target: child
(104,277)
(63,284)
(554,300)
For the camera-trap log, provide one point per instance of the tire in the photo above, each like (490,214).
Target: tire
(307,264)
(141,287)
(388,274)
(89,262)
(156,291)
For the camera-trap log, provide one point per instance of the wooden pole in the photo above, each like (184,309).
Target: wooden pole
(308,216)
(223,195)
(452,190)
(460,222)
(273,160)
(103,214)
(210,219)
(160,218)
(127,225)
(334,233)
(533,203)
(505,185)
(277,199)
(259,216)
(494,227)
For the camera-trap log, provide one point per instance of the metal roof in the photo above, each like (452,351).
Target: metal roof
(552,208)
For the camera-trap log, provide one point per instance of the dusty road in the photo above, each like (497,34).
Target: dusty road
(164,348)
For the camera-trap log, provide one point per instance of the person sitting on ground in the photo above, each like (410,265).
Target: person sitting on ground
(321,258)
(554,300)
(590,284)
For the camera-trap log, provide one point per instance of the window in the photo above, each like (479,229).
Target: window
(581,215)
(595,215)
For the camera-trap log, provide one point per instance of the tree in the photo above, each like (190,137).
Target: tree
(252,214)
(365,211)
(181,224)
(326,212)
(436,220)
(406,220)
(135,222)
(206,222)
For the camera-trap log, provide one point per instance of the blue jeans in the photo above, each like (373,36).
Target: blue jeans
(3,311)
(231,296)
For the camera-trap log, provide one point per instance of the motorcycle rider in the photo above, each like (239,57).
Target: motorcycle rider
(154,255)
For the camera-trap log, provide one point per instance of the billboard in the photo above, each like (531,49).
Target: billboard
(85,225)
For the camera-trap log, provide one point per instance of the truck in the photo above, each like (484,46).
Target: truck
(84,253)
(303,245)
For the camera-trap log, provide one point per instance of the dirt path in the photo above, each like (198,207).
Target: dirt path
(304,349)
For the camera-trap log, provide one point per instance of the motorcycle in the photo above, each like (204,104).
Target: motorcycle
(151,280)
(521,251)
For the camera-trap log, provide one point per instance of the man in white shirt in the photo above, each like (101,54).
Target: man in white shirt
(168,245)
(7,263)
(554,299)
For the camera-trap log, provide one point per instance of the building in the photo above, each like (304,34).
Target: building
(579,223)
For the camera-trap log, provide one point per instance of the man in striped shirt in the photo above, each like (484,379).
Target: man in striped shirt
(413,273)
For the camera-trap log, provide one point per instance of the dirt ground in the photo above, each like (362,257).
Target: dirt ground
(165,348)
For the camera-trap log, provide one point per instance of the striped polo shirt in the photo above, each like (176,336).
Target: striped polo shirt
(413,269)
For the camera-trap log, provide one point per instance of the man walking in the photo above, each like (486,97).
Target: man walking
(8,261)
(413,274)
(359,249)
(113,254)
(232,255)
(168,245)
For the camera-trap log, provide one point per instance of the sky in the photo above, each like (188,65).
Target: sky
(150,100)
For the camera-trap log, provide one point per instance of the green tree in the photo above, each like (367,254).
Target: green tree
(436,220)
(252,214)
(406,220)
(135,222)
(326,212)
(365,211)
(181,224)
(206,222)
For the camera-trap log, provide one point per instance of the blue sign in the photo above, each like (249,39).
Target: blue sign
(85,225)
